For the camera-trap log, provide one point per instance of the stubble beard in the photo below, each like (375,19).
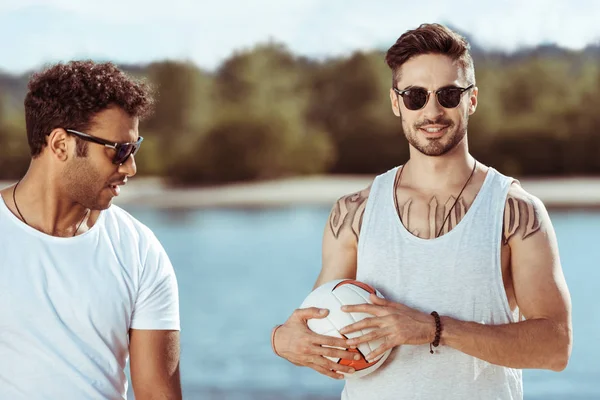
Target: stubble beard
(436,147)
(83,183)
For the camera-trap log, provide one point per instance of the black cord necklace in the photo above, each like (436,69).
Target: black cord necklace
(455,201)
(23,218)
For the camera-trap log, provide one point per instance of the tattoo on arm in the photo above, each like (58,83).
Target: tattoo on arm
(520,215)
(348,213)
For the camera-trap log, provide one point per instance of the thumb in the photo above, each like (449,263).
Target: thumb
(380,301)
(311,312)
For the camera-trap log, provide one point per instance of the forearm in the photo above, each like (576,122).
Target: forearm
(534,343)
(171,391)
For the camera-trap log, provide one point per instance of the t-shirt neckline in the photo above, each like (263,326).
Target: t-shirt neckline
(44,236)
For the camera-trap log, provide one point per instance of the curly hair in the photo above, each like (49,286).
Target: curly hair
(70,95)
(430,39)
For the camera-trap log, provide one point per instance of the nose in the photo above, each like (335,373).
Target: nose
(432,109)
(129,167)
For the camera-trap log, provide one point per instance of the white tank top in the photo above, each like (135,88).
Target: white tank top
(458,275)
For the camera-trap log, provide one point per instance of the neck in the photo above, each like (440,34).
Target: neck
(44,206)
(448,170)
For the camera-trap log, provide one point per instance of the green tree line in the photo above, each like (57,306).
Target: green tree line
(266,113)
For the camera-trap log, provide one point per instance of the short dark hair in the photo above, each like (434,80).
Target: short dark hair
(430,39)
(70,95)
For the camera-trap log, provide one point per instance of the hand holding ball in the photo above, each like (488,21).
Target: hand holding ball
(332,296)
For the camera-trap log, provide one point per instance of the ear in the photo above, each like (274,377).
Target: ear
(395,103)
(60,144)
(473,100)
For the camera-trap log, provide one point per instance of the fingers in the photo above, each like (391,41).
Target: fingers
(362,324)
(337,353)
(372,309)
(330,341)
(330,365)
(310,313)
(378,351)
(325,371)
(386,303)
(376,334)
(380,301)
(316,355)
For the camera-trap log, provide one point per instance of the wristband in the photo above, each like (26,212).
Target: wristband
(273,340)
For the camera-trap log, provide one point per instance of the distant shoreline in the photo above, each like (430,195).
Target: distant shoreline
(320,191)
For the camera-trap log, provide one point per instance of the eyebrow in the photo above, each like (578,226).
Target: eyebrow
(126,142)
(412,87)
(450,85)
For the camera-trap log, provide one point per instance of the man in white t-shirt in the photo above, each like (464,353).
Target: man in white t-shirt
(84,287)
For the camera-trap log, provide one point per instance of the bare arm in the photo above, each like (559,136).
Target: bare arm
(340,239)
(293,340)
(155,364)
(543,340)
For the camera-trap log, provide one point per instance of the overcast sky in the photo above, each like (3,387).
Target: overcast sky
(35,32)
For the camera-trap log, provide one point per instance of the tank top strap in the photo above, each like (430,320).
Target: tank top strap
(496,195)
(381,197)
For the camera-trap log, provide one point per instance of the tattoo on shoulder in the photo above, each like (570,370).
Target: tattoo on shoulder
(520,215)
(347,214)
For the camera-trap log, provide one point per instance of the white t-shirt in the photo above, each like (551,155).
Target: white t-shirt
(67,304)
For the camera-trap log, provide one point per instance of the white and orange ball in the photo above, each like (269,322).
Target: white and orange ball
(332,296)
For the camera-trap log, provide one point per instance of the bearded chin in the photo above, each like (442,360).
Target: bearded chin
(436,147)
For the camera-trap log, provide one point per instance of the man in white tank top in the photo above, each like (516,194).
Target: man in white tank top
(467,260)
(84,287)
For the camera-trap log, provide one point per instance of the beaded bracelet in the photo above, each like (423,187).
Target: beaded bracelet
(438,331)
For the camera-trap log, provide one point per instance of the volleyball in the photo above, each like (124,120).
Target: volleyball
(332,296)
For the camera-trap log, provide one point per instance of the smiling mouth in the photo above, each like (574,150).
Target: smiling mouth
(434,131)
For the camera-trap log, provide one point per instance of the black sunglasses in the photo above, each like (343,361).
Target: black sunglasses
(122,150)
(416,98)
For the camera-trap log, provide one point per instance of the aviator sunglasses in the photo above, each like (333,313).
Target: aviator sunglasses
(415,98)
(122,150)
